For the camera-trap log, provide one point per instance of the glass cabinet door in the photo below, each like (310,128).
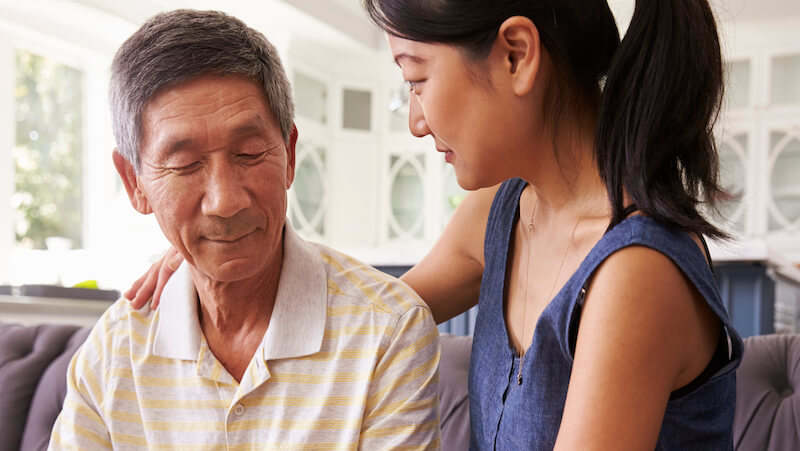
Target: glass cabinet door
(310,98)
(308,196)
(737,84)
(398,109)
(356,109)
(733,178)
(785,80)
(407,199)
(784,202)
(453,194)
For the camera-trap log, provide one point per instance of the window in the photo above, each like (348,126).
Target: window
(63,217)
(48,157)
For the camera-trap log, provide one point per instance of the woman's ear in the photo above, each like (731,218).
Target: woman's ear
(131,182)
(518,41)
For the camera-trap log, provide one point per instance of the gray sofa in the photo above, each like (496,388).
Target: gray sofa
(768,394)
(33,362)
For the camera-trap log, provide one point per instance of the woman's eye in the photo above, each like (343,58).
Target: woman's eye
(413,86)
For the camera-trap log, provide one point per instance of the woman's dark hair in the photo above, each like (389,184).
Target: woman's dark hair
(662,92)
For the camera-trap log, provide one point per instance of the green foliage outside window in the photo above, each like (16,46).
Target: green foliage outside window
(48,159)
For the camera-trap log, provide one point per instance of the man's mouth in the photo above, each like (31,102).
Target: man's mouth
(229,238)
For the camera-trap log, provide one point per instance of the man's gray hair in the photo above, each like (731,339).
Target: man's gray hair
(176,46)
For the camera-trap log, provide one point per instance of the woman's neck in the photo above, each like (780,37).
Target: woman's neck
(564,180)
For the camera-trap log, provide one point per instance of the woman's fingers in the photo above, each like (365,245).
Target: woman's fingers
(143,288)
(135,287)
(172,259)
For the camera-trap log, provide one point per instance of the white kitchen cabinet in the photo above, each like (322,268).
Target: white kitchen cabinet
(759,136)
(362,183)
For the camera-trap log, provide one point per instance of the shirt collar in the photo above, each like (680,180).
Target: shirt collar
(298,319)
(297,325)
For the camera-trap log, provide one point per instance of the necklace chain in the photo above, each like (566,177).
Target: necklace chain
(527,276)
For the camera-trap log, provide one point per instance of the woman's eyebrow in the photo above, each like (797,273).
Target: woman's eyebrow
(405,56)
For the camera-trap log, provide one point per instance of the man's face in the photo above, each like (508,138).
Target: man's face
(215,171)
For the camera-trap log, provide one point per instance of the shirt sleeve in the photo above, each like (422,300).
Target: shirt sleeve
(80,425)
(402,410)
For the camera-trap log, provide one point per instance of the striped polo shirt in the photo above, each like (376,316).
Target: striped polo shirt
(349,361)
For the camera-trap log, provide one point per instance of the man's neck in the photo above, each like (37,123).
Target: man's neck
(234,316)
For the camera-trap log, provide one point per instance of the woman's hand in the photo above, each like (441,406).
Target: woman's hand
(151,284)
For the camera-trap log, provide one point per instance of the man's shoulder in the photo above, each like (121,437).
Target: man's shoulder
(353,281)
(121,316)
(122,325)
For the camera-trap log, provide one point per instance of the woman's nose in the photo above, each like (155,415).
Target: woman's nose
(416,118)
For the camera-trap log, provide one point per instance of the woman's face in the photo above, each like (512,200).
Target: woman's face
(466,110)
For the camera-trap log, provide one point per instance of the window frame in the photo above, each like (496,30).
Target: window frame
(77,42)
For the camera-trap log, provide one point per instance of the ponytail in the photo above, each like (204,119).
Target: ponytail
(661,98)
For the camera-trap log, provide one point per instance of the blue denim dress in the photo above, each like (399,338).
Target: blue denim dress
(508,416)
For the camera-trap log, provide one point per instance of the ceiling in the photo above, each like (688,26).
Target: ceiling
(727,11)
(340,24)
(756,10)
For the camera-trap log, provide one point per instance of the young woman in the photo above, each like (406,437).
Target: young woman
(600,326)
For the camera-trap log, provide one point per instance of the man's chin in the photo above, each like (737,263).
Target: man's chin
(230,270)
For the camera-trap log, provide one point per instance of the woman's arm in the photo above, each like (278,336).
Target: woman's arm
(448,278)
(645,331)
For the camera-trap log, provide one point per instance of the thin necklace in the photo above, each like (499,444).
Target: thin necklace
(527,276)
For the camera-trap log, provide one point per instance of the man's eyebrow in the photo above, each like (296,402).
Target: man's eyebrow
(413,58)
(253,127)
(174,145)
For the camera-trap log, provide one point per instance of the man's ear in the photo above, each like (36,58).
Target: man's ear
(518,39)
(131,182)
(290,156)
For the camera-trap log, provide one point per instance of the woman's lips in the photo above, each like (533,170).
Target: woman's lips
(448,154)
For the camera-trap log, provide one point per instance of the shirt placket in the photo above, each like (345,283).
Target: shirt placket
(239,407)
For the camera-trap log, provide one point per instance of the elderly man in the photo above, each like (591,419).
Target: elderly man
(263,340)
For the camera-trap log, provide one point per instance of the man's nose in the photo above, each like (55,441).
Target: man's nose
(416,118)
(226,193)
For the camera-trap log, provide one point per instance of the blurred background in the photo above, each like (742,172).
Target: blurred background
(363,185)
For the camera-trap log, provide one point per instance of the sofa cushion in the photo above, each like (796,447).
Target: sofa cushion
(768,394)
(49,396)
(453,391)
(25,353)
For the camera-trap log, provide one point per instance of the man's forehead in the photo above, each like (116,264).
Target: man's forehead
(207,91)
(226,106)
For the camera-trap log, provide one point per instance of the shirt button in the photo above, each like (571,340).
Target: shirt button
(238,410)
